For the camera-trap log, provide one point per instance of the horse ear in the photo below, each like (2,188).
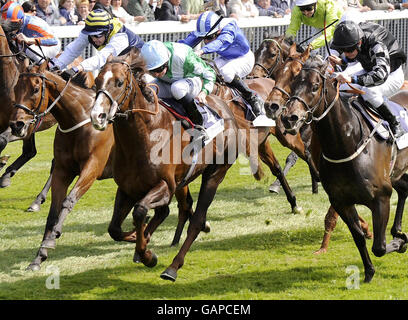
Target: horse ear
(26,63)
(292,49)
(266,35)
(305,55)
(43,66)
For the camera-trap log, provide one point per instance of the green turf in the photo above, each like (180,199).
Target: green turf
(257,249)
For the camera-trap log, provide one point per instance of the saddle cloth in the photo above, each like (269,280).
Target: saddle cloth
(383,130)
(212,121)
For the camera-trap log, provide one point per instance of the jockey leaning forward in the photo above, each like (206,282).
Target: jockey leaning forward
(235,60)
(317,14)
(107,34)
(33,32)
(381,57)
(180,74)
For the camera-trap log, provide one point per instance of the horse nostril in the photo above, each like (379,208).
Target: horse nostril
(274,107)
(16,126)
(102,117)
(293,118)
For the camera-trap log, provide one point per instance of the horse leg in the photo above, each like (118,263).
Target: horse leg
(211,178)
(4,139)
(40,199)
(290,162)
(185,206)
(350,217)
(158,196)
(29,152)
(3,161)
(268,157)
(60,183)
(330,221)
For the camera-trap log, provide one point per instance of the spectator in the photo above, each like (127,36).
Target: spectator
(105,5)
(122,14)
(282,5)
(193,8)
(223,8)
(29,8)
(378,5)
(266,9)
(91,5)
(82,10)
(140,8)
(243,9)
(172,11)
(67,10)
(351,8)
(48,13)
(400,5)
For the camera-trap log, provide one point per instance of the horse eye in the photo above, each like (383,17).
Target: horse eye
(120,83)
(36,90)
(315,87)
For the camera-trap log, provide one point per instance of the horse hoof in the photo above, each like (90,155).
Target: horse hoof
(320,251)
(153,261)
(48,244)
(5,182)
(136,258)
(403,248)
(297,210)
(33,267)
(35,207)
(207,227)
(169,274)
(274,189)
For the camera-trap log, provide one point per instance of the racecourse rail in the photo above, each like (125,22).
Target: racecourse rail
(254,28)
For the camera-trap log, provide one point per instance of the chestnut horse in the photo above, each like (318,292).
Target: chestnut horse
(269,58)
(145,180)
(274,105)
(9,71)
(79,150)
(356,167)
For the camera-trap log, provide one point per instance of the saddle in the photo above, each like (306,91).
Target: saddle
(372,118)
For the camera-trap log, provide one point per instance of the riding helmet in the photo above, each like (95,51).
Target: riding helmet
(155,54)
(98,22)
(347,34)
(205,22)
(12,11)
(302,3)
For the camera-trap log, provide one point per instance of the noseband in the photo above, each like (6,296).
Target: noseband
(278,59)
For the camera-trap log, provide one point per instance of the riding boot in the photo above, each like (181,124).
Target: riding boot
(249,95)
(394,123)
(195,116)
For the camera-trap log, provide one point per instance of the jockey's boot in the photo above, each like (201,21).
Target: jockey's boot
(195,116)
(395,125)
(249,95)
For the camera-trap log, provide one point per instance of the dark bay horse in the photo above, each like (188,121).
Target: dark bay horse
(269,58)
(356,167)
(274,106)
(144,180)
(9,71)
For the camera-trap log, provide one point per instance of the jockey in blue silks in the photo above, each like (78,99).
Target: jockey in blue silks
(235,60)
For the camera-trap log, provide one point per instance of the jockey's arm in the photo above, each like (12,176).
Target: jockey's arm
(72,51)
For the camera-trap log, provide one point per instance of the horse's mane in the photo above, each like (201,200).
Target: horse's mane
(9,26)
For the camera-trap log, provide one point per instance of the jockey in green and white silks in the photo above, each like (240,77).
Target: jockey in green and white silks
(180,74)
(317,14)
(107,34)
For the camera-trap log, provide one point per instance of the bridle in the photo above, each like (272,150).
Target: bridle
(269,71)
(36,114)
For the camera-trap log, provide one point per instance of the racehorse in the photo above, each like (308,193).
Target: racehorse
(145,181)
(9,71)
(269,58)
(356,166)
(274,106)
(79,150)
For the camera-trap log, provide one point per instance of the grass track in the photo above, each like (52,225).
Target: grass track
(256,248)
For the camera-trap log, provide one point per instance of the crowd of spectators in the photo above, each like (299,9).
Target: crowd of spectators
(74,12)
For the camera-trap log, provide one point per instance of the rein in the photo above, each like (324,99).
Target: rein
(281,89)
(279,58)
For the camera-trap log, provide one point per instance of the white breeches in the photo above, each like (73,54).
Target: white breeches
(241,66)
(49,51)
(178,89)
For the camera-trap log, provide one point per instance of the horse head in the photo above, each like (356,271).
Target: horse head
(284,77)
(270,54)
(310,94)
(31,99)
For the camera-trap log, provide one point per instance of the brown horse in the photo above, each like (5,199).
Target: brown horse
(79,150)
(269,58)
(262,87)
(145,178)
(274,107)
(9,71)
(356,167)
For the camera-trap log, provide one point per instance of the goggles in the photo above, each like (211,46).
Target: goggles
(306,8)
(159,69)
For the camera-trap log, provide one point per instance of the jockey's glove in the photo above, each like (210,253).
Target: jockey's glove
(69,73)
(52,65)
(301,48)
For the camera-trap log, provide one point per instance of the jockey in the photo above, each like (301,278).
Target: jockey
(381,57)
(180,74)
(235,61)
(34,32)
(107,34)
(317,14)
